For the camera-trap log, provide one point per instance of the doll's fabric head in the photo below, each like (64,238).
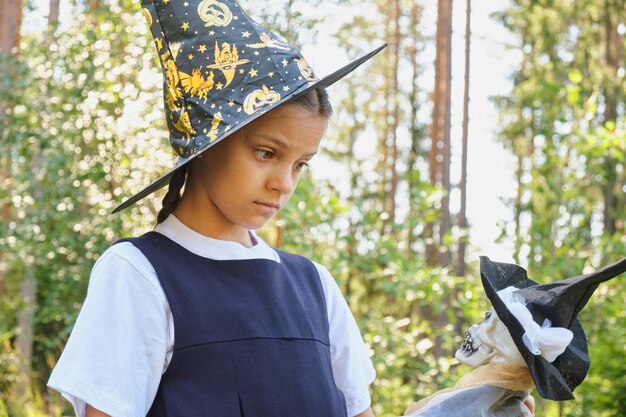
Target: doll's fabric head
(221,70)
(542,323)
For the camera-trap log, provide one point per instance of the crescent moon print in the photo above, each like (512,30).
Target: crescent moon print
(147,15)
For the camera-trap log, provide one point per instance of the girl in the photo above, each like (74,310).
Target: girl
(200,317)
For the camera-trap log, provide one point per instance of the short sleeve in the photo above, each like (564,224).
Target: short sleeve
(116,353)
(352,367)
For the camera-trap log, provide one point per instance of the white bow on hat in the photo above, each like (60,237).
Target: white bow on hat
(547,341)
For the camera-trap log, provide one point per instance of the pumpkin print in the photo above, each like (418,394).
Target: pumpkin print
(259,98)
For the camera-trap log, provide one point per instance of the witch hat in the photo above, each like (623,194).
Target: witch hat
(559,303)
(222,70)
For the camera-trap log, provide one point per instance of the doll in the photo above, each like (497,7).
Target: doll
(530,338)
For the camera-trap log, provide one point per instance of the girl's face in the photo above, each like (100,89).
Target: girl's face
(246,179)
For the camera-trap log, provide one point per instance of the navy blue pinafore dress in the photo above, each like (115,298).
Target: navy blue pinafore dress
(251,336)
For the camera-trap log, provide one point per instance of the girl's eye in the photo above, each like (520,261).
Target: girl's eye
(301,165)
(264,154)
(487,315)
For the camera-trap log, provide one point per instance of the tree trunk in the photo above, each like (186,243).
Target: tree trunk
(415,131)
(440,148)
(613,58)
(460,261)
(445,223)
(28,296)
(383,145)
(28,286)
(394,93)
(10,23)
(439,158)
(53,16)
(24,338)
(517,210)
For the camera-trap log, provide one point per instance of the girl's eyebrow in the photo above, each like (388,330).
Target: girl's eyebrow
(281,143)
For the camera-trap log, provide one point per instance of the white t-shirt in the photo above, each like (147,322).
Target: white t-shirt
(123,339)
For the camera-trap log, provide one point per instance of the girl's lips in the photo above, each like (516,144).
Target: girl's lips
(267,208)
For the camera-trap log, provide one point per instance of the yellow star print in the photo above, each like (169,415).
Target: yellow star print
(202,48)
(185,26)
(253,72)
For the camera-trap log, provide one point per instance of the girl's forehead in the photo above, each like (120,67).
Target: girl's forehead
(286,118)
(287,112)
(288,127)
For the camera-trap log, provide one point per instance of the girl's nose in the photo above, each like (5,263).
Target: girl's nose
(282,180)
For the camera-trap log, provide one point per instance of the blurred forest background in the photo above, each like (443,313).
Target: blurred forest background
(82,127)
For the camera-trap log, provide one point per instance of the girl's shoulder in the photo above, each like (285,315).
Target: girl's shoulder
(122,254)
(123,265)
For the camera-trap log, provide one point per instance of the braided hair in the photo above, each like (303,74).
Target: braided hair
(316,100)
(172,197)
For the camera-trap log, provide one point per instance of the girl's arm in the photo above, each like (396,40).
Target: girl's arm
(92,412)
(117,351)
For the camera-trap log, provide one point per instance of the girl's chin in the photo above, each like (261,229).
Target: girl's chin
(257,223)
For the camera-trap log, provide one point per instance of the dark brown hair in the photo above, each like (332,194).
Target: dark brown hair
(172,197)
(316,100)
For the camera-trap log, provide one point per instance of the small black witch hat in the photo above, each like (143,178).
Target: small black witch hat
(222,70)
(559,303)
